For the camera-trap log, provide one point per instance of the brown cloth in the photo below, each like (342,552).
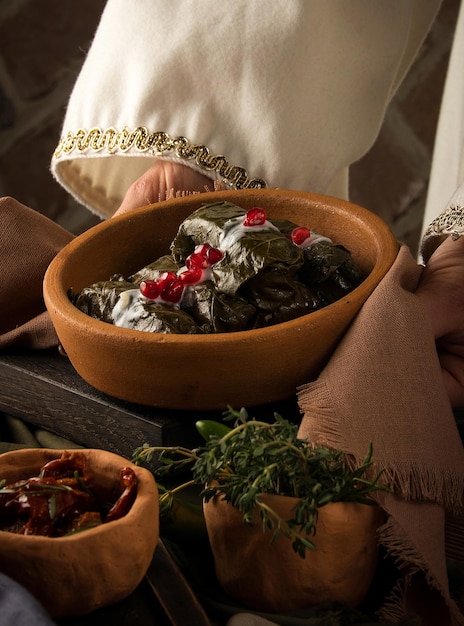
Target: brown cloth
(383,385)
(28,242)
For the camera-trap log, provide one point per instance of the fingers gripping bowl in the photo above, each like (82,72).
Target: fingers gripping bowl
(203,372)
(74,574)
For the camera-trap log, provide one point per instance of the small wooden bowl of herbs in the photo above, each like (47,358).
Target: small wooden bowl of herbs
(77,528)
(290,525)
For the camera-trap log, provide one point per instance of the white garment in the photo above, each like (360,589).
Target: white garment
(294,91)
(446,186)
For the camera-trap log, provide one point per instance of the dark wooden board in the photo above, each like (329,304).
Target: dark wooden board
(43,389)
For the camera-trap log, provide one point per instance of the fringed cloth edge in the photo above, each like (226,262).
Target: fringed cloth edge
(408,559)
(412,479)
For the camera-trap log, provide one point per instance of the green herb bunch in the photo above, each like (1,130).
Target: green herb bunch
(254,458)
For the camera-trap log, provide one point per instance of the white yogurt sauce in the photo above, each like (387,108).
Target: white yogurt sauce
(128,308)
(312,239)
(234,230)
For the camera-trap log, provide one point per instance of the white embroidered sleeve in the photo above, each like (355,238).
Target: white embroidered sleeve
(290,93)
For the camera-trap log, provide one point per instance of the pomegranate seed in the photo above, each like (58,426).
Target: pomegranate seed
(255,217)
(214,255)
(203,249)
(300,234)
(191,277)
(167,278)
(150,289)
(172,291)
(196,260)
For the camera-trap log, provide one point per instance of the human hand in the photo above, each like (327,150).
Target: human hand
(441,289)
(163,178)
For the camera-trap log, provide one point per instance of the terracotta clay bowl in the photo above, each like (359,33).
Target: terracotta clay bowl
(75,574)
(246,368)
(269,576)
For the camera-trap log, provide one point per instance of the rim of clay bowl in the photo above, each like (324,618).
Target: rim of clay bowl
(145,478)
(56,295)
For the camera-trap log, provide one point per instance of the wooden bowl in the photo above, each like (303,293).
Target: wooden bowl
(75,574)
(246,368)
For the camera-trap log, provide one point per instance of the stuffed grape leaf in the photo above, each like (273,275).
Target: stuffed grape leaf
(279,297)
(152,271)
(219,312)
(260,276)
(247,253)
(98,300)
(330,268)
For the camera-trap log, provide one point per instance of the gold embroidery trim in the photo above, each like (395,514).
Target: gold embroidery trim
(449,223)
(112,141)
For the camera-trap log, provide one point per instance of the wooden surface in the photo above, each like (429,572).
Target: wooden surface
(43,389)
(141,608)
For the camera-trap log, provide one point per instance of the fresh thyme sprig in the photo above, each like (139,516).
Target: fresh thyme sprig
(255,458)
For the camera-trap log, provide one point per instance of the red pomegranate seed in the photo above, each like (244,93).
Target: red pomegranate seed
(191,277)
(196,260)
(214,255)
(255,217)
(150,289)
(300,234)
(203,249)
(172,291)
(166,278)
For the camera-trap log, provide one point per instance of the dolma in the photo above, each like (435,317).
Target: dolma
(98,300)
(218,312)
(152,271)
(206,224)
(229,270)
(279,297)
(246,252)
(330,269)
(137,313)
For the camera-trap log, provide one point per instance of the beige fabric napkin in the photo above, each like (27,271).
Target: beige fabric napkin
(28,242)
(383,385)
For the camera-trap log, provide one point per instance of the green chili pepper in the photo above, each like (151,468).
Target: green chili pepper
(211,428)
